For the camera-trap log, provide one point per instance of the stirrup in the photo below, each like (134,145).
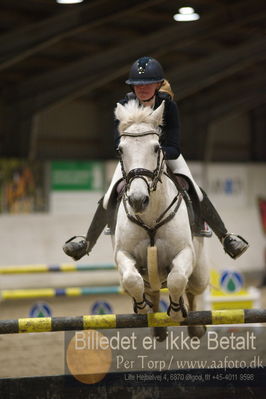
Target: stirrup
(73,238)
(107,231)
(203,231)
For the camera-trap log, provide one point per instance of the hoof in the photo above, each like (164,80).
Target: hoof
(176,316)
(144,310)
(196,331)
(160,333)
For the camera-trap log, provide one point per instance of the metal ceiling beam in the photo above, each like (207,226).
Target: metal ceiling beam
(234,106)
(218,100)
(40,6)
(208,72)
(20,44)
(238,104)
(80,77)
(228,99)
(202,74)
(258,127)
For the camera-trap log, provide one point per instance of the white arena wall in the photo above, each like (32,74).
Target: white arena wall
(234,189)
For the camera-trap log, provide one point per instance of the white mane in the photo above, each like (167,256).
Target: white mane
(133,113)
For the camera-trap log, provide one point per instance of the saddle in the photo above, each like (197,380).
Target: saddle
(198,225)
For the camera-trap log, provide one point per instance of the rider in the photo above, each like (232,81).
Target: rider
(148,85)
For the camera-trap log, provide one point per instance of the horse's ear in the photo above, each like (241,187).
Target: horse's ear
(157,114)
(120,111)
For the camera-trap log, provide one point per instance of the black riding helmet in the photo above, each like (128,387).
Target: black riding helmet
(145,70)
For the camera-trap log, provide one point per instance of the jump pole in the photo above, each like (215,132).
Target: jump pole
(112,321)
(30,293)
(61,268)
(59,292)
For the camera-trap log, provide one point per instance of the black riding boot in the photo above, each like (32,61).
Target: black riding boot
(234,245)
(78,249)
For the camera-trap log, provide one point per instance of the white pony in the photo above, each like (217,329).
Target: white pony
(152,213)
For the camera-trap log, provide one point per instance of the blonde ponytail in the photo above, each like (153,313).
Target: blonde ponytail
(166,87)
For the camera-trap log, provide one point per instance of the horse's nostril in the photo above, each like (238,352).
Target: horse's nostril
(145,201)
(138,203)
(130,201)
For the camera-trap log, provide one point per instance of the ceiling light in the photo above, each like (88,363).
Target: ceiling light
(186,10)
(69,1)
(186,14)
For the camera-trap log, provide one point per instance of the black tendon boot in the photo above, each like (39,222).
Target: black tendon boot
(234,245)
(78,249)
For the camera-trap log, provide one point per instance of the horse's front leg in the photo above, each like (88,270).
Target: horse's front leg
(132,281)
(182,267)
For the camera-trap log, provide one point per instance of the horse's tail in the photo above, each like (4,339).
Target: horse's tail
(153,272)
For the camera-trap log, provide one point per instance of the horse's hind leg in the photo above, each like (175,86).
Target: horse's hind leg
(132,281)
(194,331)
(160,333)
(197,284)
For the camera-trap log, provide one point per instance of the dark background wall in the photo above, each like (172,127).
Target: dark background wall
(62,69)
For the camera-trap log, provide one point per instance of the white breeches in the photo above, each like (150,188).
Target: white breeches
(116,177)
(178,165)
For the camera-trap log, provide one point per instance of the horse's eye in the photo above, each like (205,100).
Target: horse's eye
(156,148)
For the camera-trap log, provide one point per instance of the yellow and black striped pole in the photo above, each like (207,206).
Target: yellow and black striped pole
(112,321)
(18,294)
(56,268)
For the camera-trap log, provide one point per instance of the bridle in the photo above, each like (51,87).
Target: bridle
(155,176)
(142,173)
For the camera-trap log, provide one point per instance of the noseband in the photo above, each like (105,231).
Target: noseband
(141,173)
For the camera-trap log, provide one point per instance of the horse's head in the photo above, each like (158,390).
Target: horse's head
(140,151)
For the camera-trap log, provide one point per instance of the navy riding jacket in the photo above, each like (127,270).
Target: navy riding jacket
(170,137)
